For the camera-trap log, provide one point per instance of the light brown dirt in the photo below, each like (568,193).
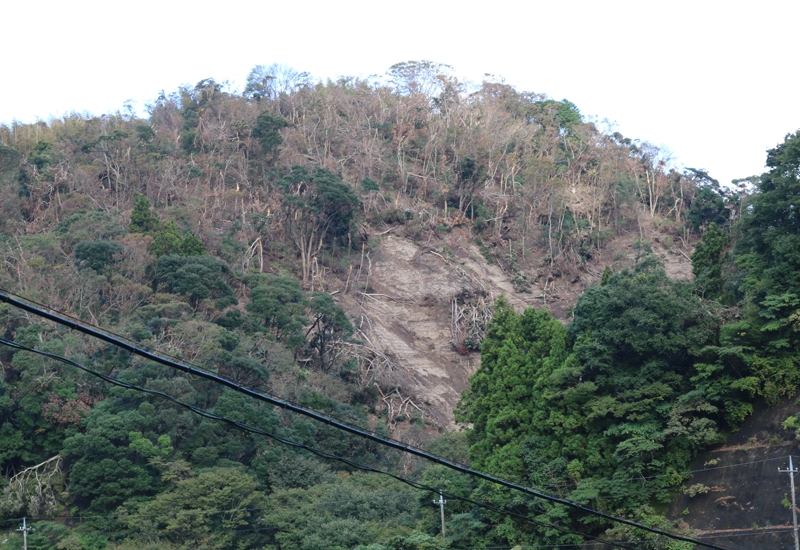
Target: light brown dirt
(406,307)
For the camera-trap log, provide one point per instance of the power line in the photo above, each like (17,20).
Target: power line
(671,489)
(321,418)
(73,322)
(318,452)
(163,353)
(684,473)
(363,499)
(294,408)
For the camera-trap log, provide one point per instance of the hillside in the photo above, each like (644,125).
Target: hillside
(408,312)
(477,271)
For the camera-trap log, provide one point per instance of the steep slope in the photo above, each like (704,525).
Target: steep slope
(420,298)
(737,496)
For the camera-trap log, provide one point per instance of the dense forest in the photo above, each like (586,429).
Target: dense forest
(228,230)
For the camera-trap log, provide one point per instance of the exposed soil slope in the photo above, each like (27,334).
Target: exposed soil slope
(406,309)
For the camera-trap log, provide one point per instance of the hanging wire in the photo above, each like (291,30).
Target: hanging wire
(324,419)
(319,452)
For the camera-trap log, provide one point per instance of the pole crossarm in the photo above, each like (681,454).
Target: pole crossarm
(24,530)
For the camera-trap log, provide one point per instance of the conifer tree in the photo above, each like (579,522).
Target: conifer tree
(144,220)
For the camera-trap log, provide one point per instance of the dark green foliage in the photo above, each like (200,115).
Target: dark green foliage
(198,277)
(260,83)
(9,161)
(607,273)
(167,241)
(771,224)
(329,326)
(42,155)
(196,503)
(470,173)
(89,226)
(107,471)
(228,340)
(567,113)
(189,142)
(281,304)
(144,132)
(360,509)
(637,338)
(518,355)
(452,446)
(39,407)
(144,220)
(764,342)
(244,371)
(43,535)
(266,131)
(231,320)
(646,376)
(170,240)
(192,246)
(102,141)
(707,260)
(630,398)
(97,255)
(417,541)
(710,201)
(323,200)
(369,184)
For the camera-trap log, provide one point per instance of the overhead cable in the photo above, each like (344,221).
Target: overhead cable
(91,331)
(316,451)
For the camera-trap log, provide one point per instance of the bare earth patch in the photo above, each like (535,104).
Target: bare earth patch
(406,307)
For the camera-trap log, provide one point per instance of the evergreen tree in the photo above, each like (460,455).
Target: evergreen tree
(771,226)
(707,260)
(330,325)
(281,304)
(143,220)
(317,206)
(506,394)
(192,246)
(198,277)
(97,254)
(167,241)
(607,273)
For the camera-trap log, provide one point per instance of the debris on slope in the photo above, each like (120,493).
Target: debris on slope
(420,307)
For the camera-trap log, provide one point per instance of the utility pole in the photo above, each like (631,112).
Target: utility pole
(441,502)
(792,471)
(24,530)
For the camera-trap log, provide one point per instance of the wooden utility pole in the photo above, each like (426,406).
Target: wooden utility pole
(441,502)
(792,471)
(24,530)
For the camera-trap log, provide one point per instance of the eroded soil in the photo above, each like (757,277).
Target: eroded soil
(404,304)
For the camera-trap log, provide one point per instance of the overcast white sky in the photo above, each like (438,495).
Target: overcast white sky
(715,83)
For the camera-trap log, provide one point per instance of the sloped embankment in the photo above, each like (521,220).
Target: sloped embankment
(741,500)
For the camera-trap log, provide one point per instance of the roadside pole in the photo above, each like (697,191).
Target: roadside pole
(441,502)
(792,471)
(24,530)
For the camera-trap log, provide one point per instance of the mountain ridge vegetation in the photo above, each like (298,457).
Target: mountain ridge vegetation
(238,232)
